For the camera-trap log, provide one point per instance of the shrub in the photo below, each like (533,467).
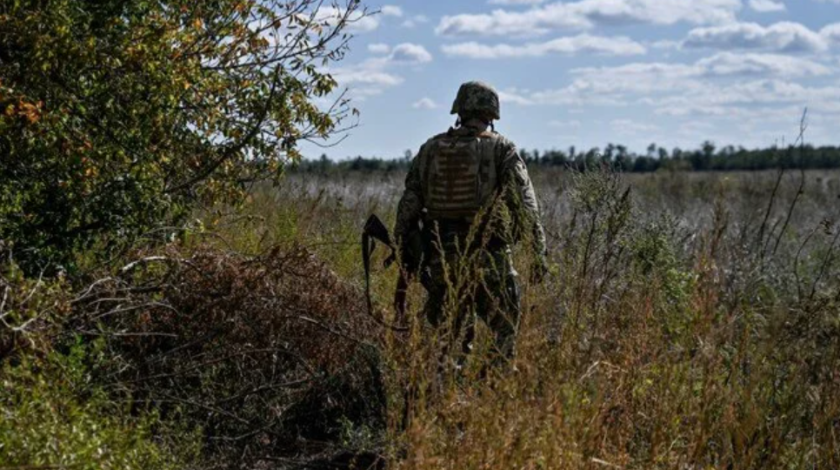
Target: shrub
(271,355)
(115,116)
(31,309)
(55,417)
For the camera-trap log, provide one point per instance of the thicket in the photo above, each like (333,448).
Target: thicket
(118,117)
(122,344)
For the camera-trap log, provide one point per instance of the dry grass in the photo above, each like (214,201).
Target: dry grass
(687,326)
(691,322)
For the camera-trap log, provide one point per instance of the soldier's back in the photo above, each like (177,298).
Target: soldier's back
(460,172)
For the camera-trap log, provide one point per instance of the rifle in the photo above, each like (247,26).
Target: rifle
(375,230)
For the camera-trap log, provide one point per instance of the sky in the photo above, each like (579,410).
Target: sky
(586,73)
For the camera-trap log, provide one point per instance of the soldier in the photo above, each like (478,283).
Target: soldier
(469,195)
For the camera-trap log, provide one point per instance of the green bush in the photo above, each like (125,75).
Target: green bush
(54,417)
(116,116)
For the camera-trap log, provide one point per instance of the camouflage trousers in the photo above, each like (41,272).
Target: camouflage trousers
(482,285)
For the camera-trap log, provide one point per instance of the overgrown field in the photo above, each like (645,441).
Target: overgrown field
(691,320)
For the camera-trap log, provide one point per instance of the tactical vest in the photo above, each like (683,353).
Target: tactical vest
(460,175)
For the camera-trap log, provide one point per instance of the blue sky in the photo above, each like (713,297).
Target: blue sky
(591,72)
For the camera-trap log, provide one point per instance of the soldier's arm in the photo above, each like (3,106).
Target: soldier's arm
(522,198)
(411,205)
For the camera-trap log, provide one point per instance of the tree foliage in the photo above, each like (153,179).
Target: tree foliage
(116,116)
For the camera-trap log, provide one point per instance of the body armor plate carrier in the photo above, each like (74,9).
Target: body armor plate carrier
(460,176)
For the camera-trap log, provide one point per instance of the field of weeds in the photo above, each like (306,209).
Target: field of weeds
(180,289)
(690,321)
(690,324)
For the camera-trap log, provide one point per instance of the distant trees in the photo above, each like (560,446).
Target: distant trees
(706,158)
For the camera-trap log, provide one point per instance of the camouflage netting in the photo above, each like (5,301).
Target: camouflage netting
(274,357)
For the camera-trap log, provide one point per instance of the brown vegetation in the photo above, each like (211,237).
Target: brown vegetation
(691,321)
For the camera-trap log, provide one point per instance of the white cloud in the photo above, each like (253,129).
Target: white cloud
(642,77)
(415,20)
(583,43)
(767,99)
(572,124)
(357,21)
(515,2)
(410,53)
(425,103)
(373,76)
(831,33)
(714,85)
(364,81)
(727,63)
(758,98)
(694,127)
(366,76)
(513,97)
(630,127)
(391,10)
(578,93)
(504,23)
(779,37)
(585,14)
(767,6)
(379,48)
(666,44)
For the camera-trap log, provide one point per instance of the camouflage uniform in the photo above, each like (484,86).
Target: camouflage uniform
(471,192)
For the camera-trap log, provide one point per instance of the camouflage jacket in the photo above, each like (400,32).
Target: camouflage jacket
(505,181)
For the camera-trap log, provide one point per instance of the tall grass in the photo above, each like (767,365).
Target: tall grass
(687,325)
(690,321)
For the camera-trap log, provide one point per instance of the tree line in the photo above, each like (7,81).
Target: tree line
(707,157)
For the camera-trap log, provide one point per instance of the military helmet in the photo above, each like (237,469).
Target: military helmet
(477,99)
